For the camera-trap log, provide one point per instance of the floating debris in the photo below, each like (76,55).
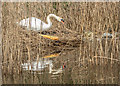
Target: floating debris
(105,35)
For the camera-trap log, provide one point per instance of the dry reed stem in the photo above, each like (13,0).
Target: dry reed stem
(29,57)
(107,58)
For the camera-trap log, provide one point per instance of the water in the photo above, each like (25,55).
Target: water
(78,65)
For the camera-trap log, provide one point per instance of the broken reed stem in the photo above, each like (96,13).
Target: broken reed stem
(107,58)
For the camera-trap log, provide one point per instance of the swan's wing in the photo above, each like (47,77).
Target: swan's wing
(33,24)
(37,24)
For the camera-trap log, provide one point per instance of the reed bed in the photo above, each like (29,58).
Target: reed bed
(20,45)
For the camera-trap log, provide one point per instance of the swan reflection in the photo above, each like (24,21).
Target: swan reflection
(42,63)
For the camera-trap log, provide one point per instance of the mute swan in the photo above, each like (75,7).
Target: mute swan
(38,25)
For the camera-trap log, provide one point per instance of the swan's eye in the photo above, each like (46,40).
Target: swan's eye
(62,21)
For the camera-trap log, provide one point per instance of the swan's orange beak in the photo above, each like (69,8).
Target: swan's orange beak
(62,21)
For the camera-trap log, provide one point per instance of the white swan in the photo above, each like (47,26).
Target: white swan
(38,25)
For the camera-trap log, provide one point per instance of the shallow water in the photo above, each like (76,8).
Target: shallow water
(78,65)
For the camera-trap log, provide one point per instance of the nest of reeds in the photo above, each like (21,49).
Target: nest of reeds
(57,38)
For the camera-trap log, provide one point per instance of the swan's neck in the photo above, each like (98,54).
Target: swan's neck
(48,18)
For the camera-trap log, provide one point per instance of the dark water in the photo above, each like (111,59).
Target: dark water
(78,65)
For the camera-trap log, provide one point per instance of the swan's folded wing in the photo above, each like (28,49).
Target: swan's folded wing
(25,22)
(33,24)
(37,24)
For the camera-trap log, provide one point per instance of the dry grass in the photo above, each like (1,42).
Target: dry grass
(20,45)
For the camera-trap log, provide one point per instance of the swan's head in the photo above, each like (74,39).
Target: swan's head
(57,17)
(60,20)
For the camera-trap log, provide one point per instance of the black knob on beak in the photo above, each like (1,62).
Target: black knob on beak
(62,20)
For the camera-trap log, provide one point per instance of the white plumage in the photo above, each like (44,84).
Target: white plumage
(33,24)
